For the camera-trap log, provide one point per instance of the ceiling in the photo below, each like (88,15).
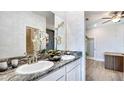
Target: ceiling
(95,15)
(94,18)
(61,14)
(50,18)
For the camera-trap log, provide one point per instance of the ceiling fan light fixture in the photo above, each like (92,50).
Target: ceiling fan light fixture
(117,19)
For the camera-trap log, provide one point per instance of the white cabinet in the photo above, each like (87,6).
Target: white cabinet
(74,71)
(71,76)
(74,74)
(70,72)
(78,73)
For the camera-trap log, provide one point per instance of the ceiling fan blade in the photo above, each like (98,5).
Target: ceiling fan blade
(106,18)
(122,13)
(106,21)
(122,16)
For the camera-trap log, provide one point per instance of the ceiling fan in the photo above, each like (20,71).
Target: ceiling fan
(115,17)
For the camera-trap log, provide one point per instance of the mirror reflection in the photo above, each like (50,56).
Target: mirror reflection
(32,40)
(34,31)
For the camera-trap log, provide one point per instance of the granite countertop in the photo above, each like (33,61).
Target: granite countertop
(10,75)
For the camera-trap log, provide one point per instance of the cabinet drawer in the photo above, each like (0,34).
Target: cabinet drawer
(70,66)
(54,76)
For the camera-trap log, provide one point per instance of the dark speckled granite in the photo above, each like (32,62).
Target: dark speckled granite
(12,76)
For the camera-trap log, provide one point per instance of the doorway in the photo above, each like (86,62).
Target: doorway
(50,45)
(90,48)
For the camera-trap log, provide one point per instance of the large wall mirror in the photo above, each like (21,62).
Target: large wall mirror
(21,32)
(35,40)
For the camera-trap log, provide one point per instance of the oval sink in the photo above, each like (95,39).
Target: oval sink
(67,57)
(34,68)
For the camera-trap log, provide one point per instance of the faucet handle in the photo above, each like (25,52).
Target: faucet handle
(30,59)
(25,53)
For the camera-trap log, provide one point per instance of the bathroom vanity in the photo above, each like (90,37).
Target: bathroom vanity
(63,70)
(69,72)
(114,61)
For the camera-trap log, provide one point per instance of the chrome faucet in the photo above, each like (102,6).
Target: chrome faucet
(32,58)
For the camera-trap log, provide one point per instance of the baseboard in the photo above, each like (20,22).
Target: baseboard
(92,58)
(97,59)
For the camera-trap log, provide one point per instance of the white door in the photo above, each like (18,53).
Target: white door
(90,47)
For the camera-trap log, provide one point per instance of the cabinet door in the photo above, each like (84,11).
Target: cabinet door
(71,75)
(119,63)
(74,74)
(78,73)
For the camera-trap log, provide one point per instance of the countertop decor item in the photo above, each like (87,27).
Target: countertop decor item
(3,66)
(54,58)
(54,55)
(14,63)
